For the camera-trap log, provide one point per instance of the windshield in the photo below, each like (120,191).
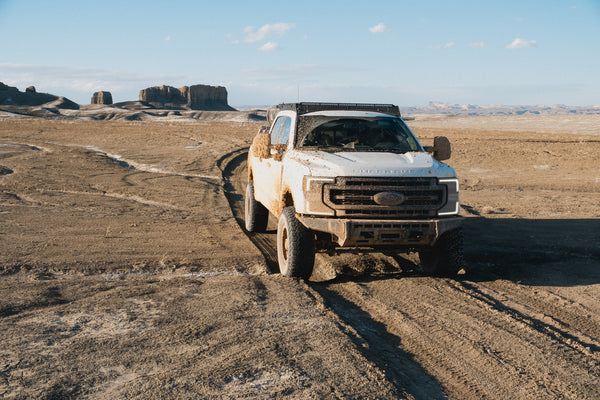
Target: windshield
(356,134)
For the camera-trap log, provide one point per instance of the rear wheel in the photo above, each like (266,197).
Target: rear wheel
(445,258)
(295,246)
(256,215)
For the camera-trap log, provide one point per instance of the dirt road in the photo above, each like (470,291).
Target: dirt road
(125,274)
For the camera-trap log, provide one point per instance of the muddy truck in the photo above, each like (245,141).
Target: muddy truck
(352,177)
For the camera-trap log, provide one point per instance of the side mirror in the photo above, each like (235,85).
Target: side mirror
(441,149)
(261,145)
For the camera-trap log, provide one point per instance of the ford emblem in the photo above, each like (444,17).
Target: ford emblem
(389,198)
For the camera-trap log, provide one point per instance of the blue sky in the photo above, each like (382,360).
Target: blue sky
(521,52)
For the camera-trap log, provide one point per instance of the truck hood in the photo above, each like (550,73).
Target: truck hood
(328,164)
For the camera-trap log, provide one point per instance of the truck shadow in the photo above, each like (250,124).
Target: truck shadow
(382,348)
(554,252)
(550,252)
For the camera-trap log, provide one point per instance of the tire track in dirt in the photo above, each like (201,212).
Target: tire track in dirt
(478,342)
(414,335)
(233,167)
(197,191)
(137,166)
(538,320)
(475,349)
(135,199)
(135,180)
(101,212)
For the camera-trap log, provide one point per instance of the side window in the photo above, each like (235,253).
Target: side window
(285,132)
(277,129)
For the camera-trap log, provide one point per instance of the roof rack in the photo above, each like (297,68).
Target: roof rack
(307,107)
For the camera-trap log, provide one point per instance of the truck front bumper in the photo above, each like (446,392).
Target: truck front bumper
(371,232)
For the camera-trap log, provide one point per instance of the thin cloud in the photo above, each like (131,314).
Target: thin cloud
(266,31)
(83,80)
(519,43)
(477,45)
(379,28)
(269,46)
(440,46)
(167,38)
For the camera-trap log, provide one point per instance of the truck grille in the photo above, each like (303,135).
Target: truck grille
(354,197)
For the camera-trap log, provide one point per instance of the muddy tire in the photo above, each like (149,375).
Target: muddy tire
(256,215)
(295,246)
(445,258)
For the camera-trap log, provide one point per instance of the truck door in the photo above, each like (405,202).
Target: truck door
(267,180)
(277,154)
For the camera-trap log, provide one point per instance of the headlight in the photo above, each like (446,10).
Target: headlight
(452,206)
(313,194)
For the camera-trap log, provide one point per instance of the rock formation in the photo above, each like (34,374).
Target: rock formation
(196,97)
(11,96)
(163,95)
(102,98)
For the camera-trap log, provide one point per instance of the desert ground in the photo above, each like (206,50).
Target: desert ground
(124,272)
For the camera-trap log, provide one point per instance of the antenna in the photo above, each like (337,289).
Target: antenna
(298,93)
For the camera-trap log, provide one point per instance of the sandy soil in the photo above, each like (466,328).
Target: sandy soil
(124,273)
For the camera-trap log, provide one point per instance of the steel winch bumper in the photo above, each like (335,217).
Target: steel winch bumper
(376,232)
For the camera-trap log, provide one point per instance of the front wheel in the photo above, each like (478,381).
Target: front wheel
(295,246)
(445,258)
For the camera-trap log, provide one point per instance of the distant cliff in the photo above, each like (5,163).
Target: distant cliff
(435,107)
(11,96)
(196,97)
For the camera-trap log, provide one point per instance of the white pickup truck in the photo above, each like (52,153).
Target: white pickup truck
(352,176)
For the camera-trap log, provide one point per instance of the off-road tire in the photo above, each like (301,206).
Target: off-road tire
(445,258)
(256,216)
(295,246)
